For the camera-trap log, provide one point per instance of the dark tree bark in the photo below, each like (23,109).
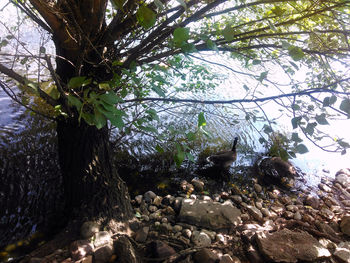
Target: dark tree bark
(92,185)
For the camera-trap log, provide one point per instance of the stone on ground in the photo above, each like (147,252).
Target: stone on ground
(289,246)
(209,214)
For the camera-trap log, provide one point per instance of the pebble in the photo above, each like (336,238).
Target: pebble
(138,199)
(187,233)
(297,216)
(220,238)
(245,217)
(149,196)
(265,212)
(257,188)
(152,208)
(237,199)
(200,239)
(255,212)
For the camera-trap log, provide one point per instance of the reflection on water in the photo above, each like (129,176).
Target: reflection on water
(29,196)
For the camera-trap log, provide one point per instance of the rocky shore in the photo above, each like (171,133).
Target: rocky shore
(255,225)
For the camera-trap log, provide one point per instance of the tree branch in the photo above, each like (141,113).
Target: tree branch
(22,80)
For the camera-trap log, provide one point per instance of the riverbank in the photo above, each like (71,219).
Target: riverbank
(259,224)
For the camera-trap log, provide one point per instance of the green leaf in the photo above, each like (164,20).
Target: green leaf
(310,128)
(301,148)
(263,76)
(201,120)
(295,107)
(118,4)
(267,129)
(104,86)
(89,118)
(326,101)
(321,119)
(296,122)
(278,11)
(295,137)
(343,144)
(188,48)
(99,119)
(345,106)
(116,120)
(77,82)
(181,35)
(146,17)
(179,156)
(262,140)
(42,50)
(148,129)
(190,157)
(228,33)
(110,98)
(153,114)
(159,149)
(159,5)
(332,100)
(296,53)
(191,136)
(256,62)
(211,44)
(74,101)
(158,90)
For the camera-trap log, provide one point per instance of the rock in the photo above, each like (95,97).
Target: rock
(177,228)
(258,205)
(297,216)
(226,258)
(159,249)
(201,239)
(345,225)
(187,233)
(312,201)
(255,212)
(149,196)
(157,200)
(125,251)
(289,246)
(103,254)
(87,259)
(265,212)
(198,185)
(323,227)
(102,238)
(245,217)
(168,200)
(343,179)
(220,238)
(88,229)
(277,209)
(328,214)
(209,214)
(325,188)
(205,255)
(342,252)
(257,188)
(237,199)
(253,255)
(80,248)
(177,204)
(152,208)
(292,208)
(138,199)
(142,234)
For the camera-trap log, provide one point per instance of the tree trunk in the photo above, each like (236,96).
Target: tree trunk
(92,186)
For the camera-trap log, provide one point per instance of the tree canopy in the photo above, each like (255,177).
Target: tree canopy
(111,55)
